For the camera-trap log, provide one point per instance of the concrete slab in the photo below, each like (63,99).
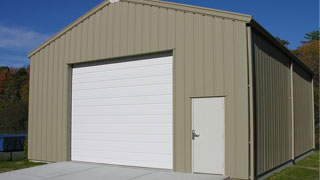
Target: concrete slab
(179,176)
(57,169)
(93,171)
(13,176)
(106,172)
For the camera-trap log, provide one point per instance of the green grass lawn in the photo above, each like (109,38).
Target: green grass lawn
(16,163)
(306,169)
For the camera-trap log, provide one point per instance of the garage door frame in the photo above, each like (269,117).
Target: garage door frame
(69,66)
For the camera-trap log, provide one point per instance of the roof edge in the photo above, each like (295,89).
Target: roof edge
(164,4)
(70,26)
(254,24)
(195,9)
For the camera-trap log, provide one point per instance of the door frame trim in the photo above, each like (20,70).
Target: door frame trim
(192,120)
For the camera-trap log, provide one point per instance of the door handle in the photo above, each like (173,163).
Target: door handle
(194,135)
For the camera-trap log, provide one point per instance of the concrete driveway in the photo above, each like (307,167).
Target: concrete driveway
(91,171)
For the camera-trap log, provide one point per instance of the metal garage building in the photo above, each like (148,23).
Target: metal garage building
(134,82)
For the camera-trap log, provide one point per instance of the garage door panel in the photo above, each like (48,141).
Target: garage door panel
(131,156)
(128,74)
(125,119)
(163,79)
(123,110)
(123,100)
(132,128)
(122,113)
(132,147)
(124,137)
(141,91)
(80,69)
(164,165)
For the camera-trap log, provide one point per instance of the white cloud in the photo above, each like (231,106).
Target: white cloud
(20,39)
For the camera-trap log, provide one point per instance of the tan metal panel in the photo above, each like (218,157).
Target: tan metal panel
(146,29)
(65,121)
(39,103)
(116,29)
(179,94)
(78,41)
(124,29)
(138,29)
(171,29)
(109,40)
(198,55)
(84,39)
(163,23)
(55,99)
(229,86)
(44,105)
(303,115)
(131,29)
(35,105)
(103,33)
(73,33)
(273,108)
(97,35)
(208,56)
(189,85)
(50,101)
(31,117)
(91,26)
(218,52)
(60,97)
(154,28)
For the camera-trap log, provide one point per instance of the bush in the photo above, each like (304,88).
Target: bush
(13,117)
(26,148)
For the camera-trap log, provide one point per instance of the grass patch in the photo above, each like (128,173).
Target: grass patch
(295,173)
(306,169)
(6,166)
(310,161)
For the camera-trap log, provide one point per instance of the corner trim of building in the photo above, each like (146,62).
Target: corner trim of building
(292,113)
(251,104)
(313,122)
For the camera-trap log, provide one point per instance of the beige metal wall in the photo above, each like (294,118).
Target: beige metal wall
(303,114)
(272,105)
(210,59)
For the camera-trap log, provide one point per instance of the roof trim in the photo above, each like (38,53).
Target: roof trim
(256,26)
(164,4)
(195,9)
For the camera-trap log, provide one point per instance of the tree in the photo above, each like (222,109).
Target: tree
(17,79)
(309,54)
(14,92)
(4,71)
(283,42)
(314,35)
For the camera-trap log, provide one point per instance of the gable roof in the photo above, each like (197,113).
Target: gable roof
(157,3)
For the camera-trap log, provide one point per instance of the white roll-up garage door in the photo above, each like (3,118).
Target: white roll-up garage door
(122,113)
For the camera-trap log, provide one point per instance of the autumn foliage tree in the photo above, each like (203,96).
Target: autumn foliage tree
(14,90)
(308,52)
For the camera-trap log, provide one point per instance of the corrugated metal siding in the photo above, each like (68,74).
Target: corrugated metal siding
(303,116)
(272,105)
(210,59)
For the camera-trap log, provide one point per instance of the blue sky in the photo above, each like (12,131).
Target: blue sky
(25,24)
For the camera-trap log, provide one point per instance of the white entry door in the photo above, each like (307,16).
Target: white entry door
(122,112)
(208,135)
